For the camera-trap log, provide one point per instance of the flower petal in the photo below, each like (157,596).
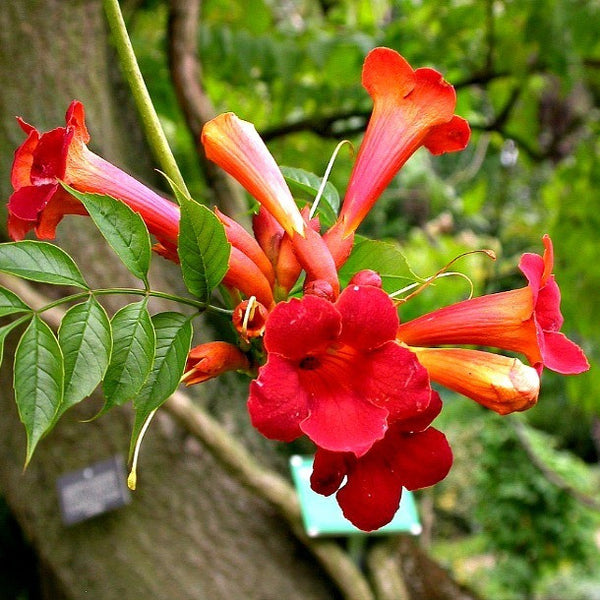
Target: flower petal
(423,419)
(329,470)
(369,317)
(372,492)
(562,355)
(20,175)
(452,136)
(422,458)
(547,308)
(277,402)
(75,119)
(299,327)
(394,379)
(341,420)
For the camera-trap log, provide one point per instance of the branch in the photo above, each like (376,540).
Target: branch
(186,75)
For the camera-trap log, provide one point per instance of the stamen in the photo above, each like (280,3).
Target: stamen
(248,314)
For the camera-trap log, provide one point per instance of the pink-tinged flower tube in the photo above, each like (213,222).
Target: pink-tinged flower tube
(411,455)
(39,202)
(212,359)
(500,383)
(238,237)
(244,275)
(236,147)
(335,373)
(411,108)
(526,320)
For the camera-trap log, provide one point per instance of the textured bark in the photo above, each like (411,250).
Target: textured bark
(191,531)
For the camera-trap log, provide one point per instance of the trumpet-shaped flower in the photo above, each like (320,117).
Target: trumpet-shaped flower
(526,320)
(335,373)
(497,382)
(411,455)
(237,148)
(212,359)
(411,108)
(39,202)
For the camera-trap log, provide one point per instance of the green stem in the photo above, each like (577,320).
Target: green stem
(131,70)
(201,306)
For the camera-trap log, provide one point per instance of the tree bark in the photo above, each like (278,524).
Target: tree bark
(191,530)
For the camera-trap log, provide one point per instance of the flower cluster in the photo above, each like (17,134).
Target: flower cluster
(335,365)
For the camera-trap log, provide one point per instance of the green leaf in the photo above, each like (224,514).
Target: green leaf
(134,344)
(38,381)
(6,329)
(86,341)
(309,183)
(123,228)
(385,258)
(11,304)
(40,261)
(173,341)
(203,249)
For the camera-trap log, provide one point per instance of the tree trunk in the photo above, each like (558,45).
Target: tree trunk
(191,531)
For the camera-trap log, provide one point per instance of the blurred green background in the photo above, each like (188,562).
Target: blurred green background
(517,517)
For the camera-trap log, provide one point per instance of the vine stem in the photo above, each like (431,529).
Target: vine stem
(201,306)
(131,70)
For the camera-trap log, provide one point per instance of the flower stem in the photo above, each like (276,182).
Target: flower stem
(131,70)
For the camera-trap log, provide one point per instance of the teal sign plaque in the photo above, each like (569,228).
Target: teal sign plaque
(323,516)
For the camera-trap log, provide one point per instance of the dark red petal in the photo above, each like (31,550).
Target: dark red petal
(20,175)
(75,118)
(329,470)
(26,127)
(298,327)
(448,137)
(394,379)
(422,458)
(369,317)
(562,355)
(61,203)
(18,228)
(547,307)
(372,493)
(277,403)
(341,420)
(424,419)
(29,201)
(50,156)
